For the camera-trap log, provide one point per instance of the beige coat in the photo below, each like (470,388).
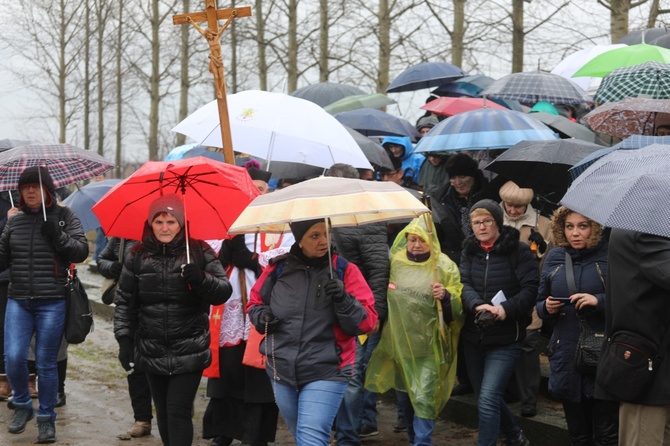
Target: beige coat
(531,219)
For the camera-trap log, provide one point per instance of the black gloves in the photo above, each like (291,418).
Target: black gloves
(235,251)
(126,352)
(115,269)
(192,274)
(335,290)
(50,230)
(536,237)
(267,323)
(484,320)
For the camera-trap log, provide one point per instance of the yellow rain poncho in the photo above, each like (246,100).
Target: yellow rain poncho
(412,356)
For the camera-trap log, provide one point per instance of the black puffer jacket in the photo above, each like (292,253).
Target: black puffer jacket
(484,273)
(366,247)
(154,305)
(110,255)
(39,266)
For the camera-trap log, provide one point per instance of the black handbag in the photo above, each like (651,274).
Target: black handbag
(590,340)
(628,364)
(78,314)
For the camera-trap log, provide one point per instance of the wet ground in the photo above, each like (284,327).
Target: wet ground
(98,407)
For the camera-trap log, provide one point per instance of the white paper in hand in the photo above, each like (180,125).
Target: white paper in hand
(498,298)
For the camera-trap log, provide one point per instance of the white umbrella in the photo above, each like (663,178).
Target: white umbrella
(277,127)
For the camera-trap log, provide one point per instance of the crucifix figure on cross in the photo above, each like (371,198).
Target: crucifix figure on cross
(215,57)
(212,34)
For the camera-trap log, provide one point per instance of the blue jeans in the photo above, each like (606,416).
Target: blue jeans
(100,242)
(352,413)
(310,411)
(490,369)
(46,318)
(419,430)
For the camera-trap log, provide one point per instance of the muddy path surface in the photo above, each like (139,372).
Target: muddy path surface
(98,407)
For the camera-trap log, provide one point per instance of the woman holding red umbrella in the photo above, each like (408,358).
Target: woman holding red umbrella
(161,318)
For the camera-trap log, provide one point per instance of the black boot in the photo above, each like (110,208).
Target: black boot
(21,417)
(46,429)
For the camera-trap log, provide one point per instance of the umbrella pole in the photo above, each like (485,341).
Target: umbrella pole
(330,256)
(44,209)
(188,250)
(428,218)
(11,199)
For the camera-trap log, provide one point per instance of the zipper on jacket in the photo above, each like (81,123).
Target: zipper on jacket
(31,294)
(486,277)
(166,305)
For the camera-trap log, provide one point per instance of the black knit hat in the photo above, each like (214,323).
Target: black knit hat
(494,209)
(462,164)
(300,228)
(30,175)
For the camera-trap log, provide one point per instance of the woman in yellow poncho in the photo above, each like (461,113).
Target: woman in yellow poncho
(417,353)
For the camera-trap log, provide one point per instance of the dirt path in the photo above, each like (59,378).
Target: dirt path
(98,408)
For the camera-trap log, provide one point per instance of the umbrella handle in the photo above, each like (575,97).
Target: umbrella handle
(188,250)
(44,209)
(330,257)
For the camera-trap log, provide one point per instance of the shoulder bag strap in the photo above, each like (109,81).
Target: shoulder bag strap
(122,248)
(570,274)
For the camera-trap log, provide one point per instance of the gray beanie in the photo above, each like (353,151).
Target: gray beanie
(300,228)
(170,203)
(494,209)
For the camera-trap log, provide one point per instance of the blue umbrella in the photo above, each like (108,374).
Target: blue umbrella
(425,75)
(192,150)
(631,143)
(483,129)
(373,122)
(466,86)
(82,200)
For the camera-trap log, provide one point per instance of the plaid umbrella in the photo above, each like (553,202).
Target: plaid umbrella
(626,189)
(67,164)
(532,87)
(651,79)
(631,116)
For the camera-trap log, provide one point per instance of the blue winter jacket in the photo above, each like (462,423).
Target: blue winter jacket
(590,269)
(411,162)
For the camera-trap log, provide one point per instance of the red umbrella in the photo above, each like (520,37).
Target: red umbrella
(214,195)
(449,106)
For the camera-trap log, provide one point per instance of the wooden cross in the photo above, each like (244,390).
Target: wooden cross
(212,33)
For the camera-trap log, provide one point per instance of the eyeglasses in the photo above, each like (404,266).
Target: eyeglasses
(488,222)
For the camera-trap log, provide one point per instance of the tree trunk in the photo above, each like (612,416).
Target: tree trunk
(458,33)
(518,36)
(262,47)
(323,41)
(384,18)
(87,76)
(119,94)
(62,100)
(154,83)
(619,18)
(292,62)
(100,75)
(184,81)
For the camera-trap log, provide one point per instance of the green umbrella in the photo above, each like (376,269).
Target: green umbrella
(626,56)
(348,103)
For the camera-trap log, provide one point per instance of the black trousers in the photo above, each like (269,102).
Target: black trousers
(140,396)
(592,422)
(173,397)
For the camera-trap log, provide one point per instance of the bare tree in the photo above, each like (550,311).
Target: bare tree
(654,12)
(619,12)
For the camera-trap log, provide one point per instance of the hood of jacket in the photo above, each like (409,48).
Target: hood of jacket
(404,141)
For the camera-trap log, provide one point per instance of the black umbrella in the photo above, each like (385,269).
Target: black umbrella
(542,165)
(373,151)
(425,75)
(565,128)
(325,93)
(642,36)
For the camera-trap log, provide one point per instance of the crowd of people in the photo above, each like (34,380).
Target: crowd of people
(314,323)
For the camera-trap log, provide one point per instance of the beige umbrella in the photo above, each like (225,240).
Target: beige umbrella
(343,201)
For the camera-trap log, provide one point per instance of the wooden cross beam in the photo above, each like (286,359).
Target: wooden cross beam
(212,33)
